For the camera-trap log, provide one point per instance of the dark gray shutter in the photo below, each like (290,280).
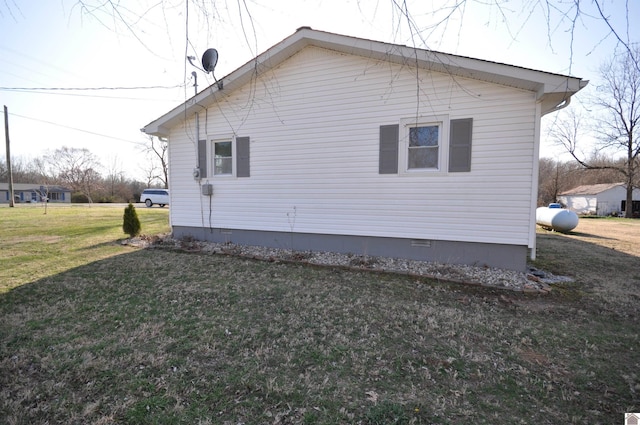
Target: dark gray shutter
(202,158)
(389,137)
(242,154)
(460,145)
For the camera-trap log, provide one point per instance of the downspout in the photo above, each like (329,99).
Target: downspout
(563,105)
(534,183)
(567,101)
(197,138)
(195,86)
(536,171)
(195,102)
(198,179)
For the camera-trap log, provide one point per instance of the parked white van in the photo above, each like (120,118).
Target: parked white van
(152,197)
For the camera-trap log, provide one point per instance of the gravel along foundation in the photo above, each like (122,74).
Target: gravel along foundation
(532,281)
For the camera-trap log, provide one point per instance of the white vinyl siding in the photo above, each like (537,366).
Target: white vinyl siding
(315,124)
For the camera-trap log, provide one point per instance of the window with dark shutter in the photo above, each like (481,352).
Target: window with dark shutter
(242,157)
(389,137)
(202,158)
(460,145)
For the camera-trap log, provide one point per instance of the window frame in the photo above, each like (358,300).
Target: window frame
(212,154)
(442,122)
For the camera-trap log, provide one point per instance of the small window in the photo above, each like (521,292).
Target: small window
(424,145)
(223,158)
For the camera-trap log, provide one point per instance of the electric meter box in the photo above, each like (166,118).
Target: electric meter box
(207,189)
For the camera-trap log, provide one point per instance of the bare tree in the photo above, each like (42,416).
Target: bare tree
(46,180)
(551,177)
(150,174)
(616,122)
(77,168)
(619,125)
(25,170)
(114,176)
(557,176)
(592,20)
(157,168)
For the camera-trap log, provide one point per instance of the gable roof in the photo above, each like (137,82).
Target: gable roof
(591,189)
(554,91)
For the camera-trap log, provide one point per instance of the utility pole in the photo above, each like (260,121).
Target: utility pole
(9,171)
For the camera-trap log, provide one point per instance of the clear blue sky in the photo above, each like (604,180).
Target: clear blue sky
(57,44)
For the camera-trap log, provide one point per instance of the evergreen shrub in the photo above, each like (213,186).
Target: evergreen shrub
(131,223)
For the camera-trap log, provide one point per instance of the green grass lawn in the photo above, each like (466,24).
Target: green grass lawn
(109,334)
(37,245)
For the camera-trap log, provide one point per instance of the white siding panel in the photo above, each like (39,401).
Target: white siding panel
(314,127)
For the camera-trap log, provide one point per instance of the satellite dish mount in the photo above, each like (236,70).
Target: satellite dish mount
(209,62)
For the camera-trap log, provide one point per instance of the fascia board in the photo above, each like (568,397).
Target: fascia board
(527,79)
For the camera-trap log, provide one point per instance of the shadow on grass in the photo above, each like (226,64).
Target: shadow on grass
(544,231)
(153,336)
(610,278)
(589,236)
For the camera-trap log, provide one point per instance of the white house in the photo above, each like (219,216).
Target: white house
(25,192)
(599,199)
(329,142)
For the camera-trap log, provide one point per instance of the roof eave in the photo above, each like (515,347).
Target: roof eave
(276,54)
(551,89)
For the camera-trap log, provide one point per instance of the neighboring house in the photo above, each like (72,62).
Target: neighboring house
(24,192)
(332,143)
(599,199)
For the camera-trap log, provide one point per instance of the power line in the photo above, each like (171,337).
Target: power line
(90,88)
(77,129)
(95,96)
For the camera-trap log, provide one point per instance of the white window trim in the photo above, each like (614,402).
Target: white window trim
(211,151)
(443,144)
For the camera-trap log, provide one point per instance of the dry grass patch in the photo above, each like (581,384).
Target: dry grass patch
(158,337)
(603,255)
(618,234)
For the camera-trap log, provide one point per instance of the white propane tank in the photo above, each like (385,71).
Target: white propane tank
(557,219)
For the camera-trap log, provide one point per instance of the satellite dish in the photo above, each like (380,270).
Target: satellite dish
(209,60)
